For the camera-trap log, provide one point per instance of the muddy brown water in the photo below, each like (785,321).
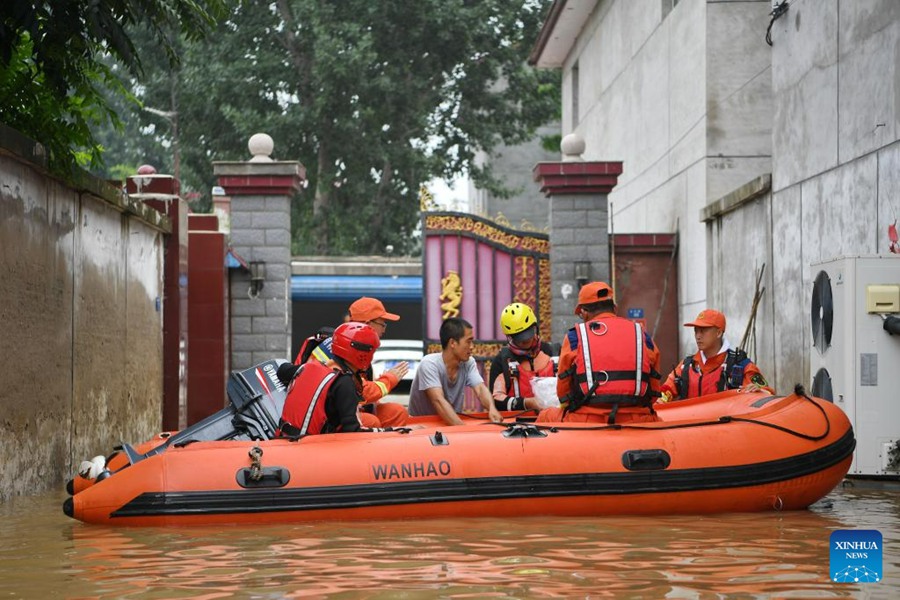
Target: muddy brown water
(44,554)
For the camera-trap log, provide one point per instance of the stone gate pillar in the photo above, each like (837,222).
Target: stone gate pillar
(579,212)
(261,190)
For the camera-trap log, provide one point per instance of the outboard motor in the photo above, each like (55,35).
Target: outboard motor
(256,398)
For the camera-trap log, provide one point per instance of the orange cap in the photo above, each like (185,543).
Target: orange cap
(368,309)
(596,291)
(708,318)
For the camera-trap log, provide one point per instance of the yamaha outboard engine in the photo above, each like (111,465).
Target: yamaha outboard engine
(256,398)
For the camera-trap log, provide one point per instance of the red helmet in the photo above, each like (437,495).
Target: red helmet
(355,343)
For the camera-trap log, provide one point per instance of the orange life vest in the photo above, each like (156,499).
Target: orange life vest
(729,375)
(304,407)
(519,385)
(612,364)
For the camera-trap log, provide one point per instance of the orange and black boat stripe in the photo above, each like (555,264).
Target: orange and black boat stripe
(150,504)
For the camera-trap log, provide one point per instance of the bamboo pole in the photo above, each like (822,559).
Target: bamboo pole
(757,296)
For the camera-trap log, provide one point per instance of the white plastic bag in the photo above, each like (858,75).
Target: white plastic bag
(545,391)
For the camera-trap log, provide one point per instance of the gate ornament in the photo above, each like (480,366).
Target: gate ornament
(451,295)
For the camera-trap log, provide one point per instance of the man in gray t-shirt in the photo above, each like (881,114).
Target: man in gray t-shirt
(439,385)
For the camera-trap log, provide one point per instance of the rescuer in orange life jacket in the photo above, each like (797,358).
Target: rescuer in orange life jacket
(608,365)
(323,397)
(715,367)
(373,412)
(521,361)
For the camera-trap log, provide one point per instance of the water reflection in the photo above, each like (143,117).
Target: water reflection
(781,555)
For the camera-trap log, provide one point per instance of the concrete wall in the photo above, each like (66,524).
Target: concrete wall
(835,171)
(743,235)
(836,155)
(739,95)
(683,98)
(700,110)
(80,320)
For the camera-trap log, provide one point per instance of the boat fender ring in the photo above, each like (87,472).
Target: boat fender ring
(599,328)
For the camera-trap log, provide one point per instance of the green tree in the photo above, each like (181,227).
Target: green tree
(375,97)
(53,83)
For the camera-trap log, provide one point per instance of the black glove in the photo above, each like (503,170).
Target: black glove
(287,372)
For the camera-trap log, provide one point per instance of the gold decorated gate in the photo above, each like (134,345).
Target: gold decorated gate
(473,267)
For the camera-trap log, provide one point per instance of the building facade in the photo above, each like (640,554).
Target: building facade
(783,155)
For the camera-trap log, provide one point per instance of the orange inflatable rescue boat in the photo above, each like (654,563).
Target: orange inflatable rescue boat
(729,452)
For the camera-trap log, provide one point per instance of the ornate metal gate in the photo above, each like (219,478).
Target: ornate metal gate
(473,267)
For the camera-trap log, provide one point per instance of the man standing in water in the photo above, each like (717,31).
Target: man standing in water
(440,382)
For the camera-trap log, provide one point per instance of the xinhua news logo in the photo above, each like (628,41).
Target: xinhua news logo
(856,556)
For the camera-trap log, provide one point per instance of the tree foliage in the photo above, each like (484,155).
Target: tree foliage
(375,97)
(53,83)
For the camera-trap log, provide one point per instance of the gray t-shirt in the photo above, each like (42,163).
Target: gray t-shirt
(432,373)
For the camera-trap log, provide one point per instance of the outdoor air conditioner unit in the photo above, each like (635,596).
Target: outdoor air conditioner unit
(855,362)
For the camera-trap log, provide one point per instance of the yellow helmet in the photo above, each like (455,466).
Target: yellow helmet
(516,318)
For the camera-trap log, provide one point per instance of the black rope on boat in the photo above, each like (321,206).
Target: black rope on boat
(800,391)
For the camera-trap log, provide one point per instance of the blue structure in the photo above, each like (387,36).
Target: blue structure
(347,288)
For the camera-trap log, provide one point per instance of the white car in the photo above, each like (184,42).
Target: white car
(393,352)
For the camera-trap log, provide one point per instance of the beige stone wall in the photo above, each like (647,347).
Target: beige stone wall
(80,321)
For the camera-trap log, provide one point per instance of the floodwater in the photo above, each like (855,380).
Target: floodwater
(44,554)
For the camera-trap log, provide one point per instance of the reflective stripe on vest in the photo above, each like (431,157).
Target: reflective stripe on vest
(609,378)
(586,355)
(639,352)
(317,397)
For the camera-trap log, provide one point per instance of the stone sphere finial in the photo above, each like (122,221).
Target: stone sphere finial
(572,147)
(261,146)
(146,170)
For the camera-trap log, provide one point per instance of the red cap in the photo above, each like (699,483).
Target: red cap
(708,318)
(368,309)
(596,291)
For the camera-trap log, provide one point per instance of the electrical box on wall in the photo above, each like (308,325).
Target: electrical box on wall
(855,362)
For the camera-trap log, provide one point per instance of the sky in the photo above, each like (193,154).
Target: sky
(451,197)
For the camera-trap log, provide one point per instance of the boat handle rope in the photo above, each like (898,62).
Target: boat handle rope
(798,391)
(256,472)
